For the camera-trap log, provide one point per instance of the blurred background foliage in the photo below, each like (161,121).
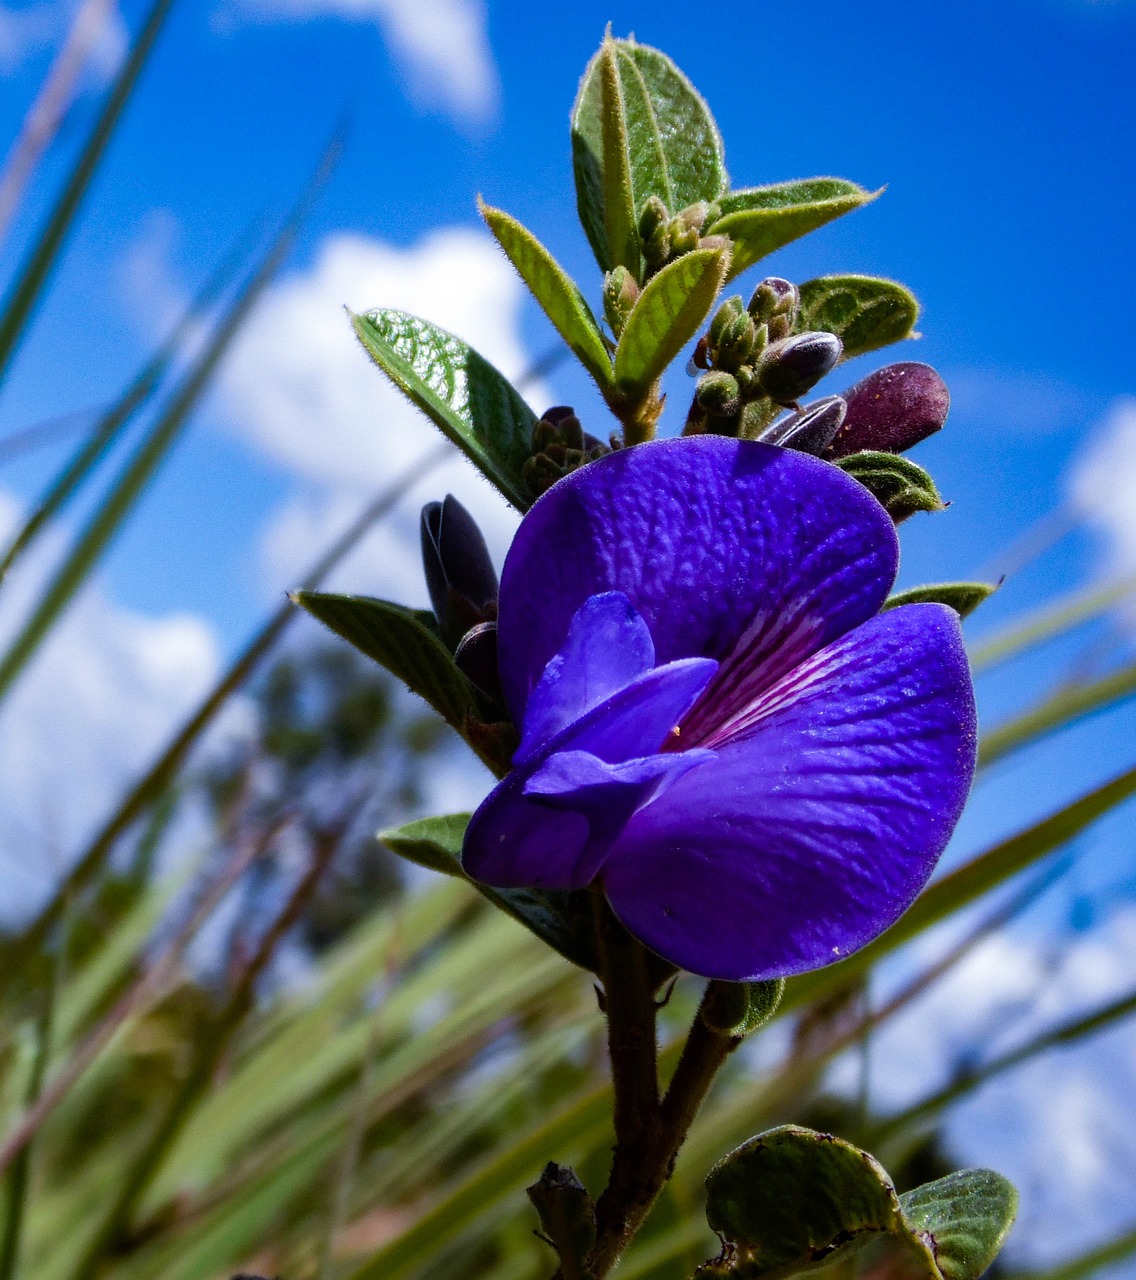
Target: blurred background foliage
(287,1055)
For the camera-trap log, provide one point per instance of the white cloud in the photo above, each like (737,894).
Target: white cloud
(87,716)
(442,45)
(25,32)
(1102,485)
(299,388)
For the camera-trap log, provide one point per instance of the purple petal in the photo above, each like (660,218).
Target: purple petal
(608,646)
(515,840)
(717,543)
(822,816)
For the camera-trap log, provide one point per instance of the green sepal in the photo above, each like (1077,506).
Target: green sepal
(864,312)
(434,843)
(667,315)
(759,220)
(963,597)
(901,486)
(792,1200)
(561,919)
(674,149)
(473,404)
(740,1008)
(556,292)
(964,1218)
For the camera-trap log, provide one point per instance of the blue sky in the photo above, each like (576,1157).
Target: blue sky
(1003,134)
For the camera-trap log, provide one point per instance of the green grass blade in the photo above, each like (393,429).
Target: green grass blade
(1119,1249)
(1067,1032)
(164,769)
(25,293)
(1048,623)
(1058,711)
(139,470)
(111,425)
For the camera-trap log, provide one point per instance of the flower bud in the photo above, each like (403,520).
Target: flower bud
(774,297)
(560,445)
(726,314)
(460,576)
(735,344)
(717,394)
(694,215)
(683,238)
(790,368)
(811,430)
(653,215)
(891,410)
(620,295)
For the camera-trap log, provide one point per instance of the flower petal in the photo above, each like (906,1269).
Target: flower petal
(608,646)
(822,815)
(719,544)
(515,840)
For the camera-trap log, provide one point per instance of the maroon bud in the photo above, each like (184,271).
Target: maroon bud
(891,410)
(790,368)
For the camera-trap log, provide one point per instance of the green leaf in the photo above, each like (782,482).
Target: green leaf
(560,919)
(434,843)
(864,312)
(459,391)
(901,486)
(618,189)
(668,314)
(792,1199)
(403,641)
(963,597)
(965,1218)
(674,150)
(556,292)
(759,220)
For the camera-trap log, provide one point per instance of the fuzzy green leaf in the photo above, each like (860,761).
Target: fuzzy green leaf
(863,311)
(791,1199)
(965,1218)
(674,150)
(556,292)
(562,920)
(901,486)
(963,597)
(668,314)
(404,642)
(759,220)
(473,404)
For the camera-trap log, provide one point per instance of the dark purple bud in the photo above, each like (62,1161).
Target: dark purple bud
(811,430)
(476,658)
(790,368)
(459,573)
(891,410)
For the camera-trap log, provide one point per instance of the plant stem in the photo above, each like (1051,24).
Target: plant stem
(648,1130)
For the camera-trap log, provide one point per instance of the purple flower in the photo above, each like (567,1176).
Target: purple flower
(715,724)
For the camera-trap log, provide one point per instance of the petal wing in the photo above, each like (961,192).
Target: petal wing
(822,815)
(729,549)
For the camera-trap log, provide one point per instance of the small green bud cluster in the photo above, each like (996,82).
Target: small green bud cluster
(663,238)
(560,445)
(752,357)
